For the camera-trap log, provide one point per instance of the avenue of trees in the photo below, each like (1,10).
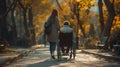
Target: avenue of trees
(17,24)
(79,13)
(21,21)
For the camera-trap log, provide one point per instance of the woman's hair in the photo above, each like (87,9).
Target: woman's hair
(54,13)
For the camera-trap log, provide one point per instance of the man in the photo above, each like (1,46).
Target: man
(66,38)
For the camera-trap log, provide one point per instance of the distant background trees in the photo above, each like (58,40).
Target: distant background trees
(21,21)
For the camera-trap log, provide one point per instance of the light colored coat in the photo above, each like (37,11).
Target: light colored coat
(54,35)
(66,29)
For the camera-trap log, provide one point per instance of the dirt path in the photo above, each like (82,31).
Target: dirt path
(41,58)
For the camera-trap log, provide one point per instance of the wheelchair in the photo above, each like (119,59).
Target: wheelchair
(66,46)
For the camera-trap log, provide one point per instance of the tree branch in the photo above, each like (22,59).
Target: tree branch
(10,8)
(59,4)
(21,5)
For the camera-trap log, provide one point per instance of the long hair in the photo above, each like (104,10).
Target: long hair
(53,15)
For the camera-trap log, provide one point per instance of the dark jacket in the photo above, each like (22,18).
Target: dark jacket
(66,36)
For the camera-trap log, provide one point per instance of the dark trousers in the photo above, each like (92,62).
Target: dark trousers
(52,48)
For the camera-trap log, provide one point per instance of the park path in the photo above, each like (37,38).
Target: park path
(41,58)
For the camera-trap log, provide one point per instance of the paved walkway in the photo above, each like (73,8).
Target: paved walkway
(41,58)
(5,58)
(104,54)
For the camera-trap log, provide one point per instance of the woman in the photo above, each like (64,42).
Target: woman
(52,38)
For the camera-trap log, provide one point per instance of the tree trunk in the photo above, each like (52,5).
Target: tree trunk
(80,24)
(14,24)
(3,28)
(25,23)
(100,4)
(109,22)
(31,26)
(21,24)
(59,4)
(92,30)
(111,15)
(76,11)
(27,34)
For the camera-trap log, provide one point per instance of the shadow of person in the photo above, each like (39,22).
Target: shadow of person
(48,63)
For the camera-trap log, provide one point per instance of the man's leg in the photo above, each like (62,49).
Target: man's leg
(67,50)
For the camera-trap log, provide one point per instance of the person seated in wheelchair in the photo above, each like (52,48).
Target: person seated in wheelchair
(66,38)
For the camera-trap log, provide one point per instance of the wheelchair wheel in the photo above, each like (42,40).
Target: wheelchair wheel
(74,50)
(58,52)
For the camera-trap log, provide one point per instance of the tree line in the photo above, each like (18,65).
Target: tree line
(16,23)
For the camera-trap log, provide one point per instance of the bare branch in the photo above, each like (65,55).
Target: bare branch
(10,8)
(59,4)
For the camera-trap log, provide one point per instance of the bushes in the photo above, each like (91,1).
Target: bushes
(90,43)
(114,38)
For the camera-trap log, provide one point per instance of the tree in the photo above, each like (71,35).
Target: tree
(3,28)
(25,7)
(14,31)
(111,15)
(100,5)
(41,10)
(31,26)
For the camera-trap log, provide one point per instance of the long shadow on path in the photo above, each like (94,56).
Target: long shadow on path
(48,63)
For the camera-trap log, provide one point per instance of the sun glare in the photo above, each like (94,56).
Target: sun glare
(78,0)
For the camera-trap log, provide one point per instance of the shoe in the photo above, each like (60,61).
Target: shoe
(53,57)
